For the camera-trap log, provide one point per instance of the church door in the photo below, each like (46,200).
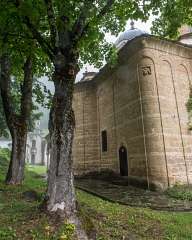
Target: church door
(123,161)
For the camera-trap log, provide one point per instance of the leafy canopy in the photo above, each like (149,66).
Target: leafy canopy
(82,24)
(34,26)
(172,15)
(17,42)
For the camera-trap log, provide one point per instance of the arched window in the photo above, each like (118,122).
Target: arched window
(104,140)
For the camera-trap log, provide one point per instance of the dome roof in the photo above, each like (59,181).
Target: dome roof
(185,35)
(129,35)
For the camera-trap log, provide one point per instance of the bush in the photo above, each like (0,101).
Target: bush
(182,192)
(7,234)
(4,159)
(5,153)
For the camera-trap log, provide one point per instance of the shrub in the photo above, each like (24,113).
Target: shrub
(4,153)
(182,192)
(4,159)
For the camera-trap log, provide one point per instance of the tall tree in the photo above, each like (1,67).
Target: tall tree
(17,123)
(19,60)
(18,113)
(72,32)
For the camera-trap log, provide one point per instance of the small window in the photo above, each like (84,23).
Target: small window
(104,140)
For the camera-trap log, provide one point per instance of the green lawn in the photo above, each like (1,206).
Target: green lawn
(20,219)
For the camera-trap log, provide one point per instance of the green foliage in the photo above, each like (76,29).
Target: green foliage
(189,103)
(115,221)
(4,156)
(4,162)
(7,234)
(189,110)
(5,153)
(35,115)
(64,232)
(23,219)
(172,14)
(92,47)
(42,95)
(17,42)
(183,192)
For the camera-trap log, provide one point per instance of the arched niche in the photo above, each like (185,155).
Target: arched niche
(146,71)
(183,74)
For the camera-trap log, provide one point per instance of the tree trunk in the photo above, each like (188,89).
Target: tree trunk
(61,196)
(15,174)
(60,199)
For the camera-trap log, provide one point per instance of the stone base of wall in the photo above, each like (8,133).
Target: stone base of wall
(142,183)
(113,177)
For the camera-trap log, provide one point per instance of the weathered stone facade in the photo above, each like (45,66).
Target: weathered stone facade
(141,104)
(36,150)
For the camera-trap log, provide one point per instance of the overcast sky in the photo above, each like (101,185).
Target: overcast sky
(138,24)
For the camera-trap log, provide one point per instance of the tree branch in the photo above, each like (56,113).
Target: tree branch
(5,80)
(18,36)
(43,43)
(52,23)
(83,26)
(105,9)
(81,20)
(36,34)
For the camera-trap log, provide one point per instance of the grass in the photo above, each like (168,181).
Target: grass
(41,170)
(118,221)
(22,220)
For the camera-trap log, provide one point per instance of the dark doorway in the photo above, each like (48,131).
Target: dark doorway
(123,161)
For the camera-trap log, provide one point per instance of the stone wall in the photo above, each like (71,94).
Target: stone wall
(141,103)
(169,141)
(85,144)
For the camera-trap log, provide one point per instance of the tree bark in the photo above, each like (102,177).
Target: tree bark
(15,174)
(60,193)
(60,199)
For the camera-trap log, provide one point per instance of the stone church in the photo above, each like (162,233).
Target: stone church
(36,149)
(132,118)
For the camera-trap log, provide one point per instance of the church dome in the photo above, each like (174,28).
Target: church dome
(129,35)
(185,35)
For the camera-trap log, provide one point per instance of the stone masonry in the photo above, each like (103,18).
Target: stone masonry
(141,104)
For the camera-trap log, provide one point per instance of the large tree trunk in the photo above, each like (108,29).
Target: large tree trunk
(61,196)
(15,174)
(60,192)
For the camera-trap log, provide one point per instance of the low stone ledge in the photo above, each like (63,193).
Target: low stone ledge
(132,196)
